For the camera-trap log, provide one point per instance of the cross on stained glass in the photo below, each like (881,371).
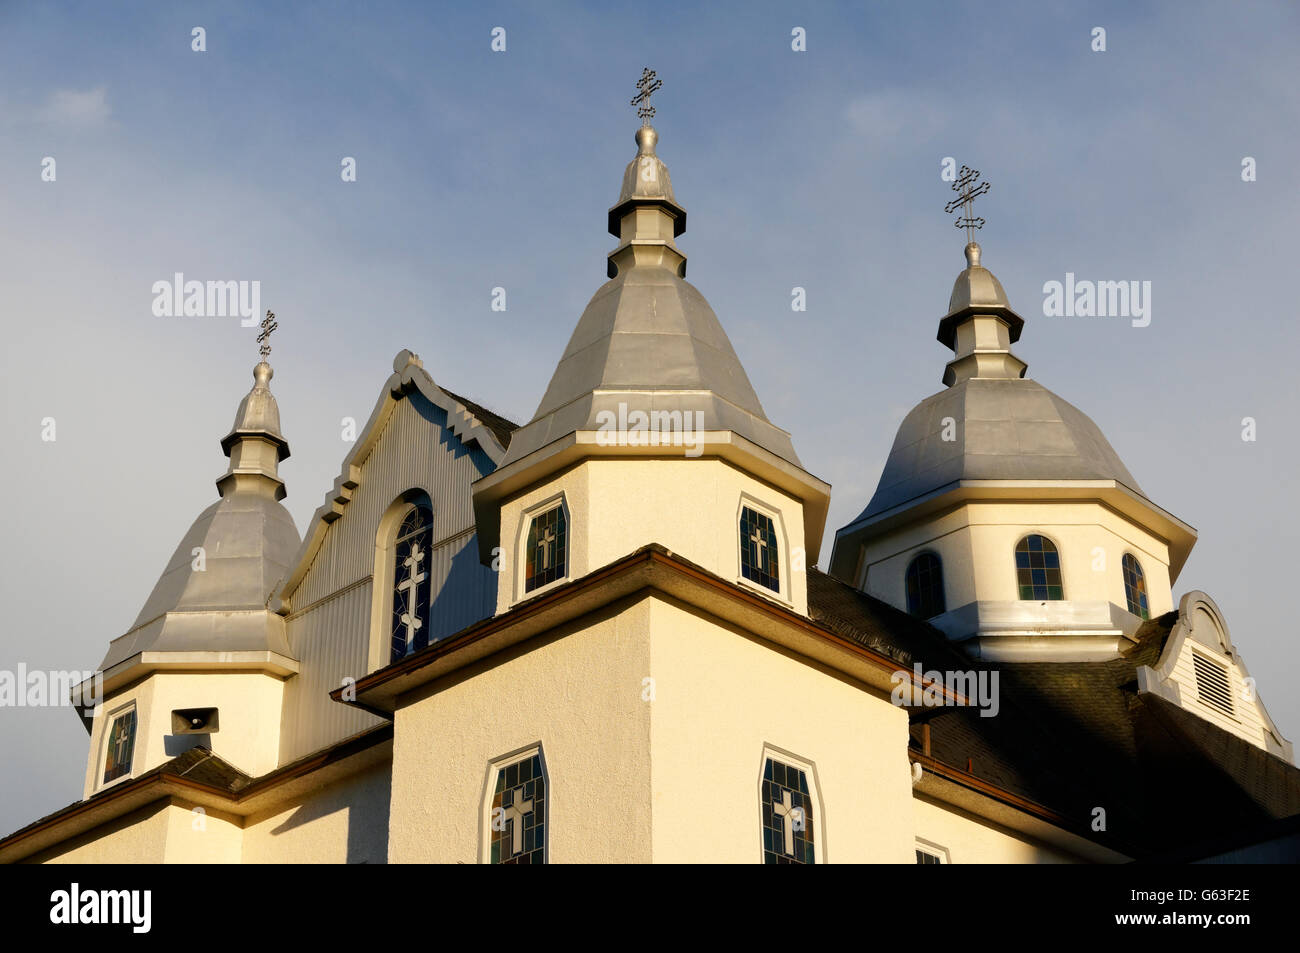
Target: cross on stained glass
(760,540)
(647,85)
(414,577)
(514,816)
(967,192)
(545,541)
(790,816)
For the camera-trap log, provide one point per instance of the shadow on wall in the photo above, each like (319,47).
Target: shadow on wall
(364,800)
(466,596)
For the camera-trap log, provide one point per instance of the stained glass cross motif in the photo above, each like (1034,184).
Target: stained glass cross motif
(790,816)
(647,85)
(760,540)
(410,618)
(514,816)
(967,191)
(545,543)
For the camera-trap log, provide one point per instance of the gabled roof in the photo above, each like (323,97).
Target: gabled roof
(468,421)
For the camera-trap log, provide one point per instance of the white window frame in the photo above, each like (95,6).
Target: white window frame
(495,767)
(809,768)
(934,850)
(521,541)
(109,720)
(383,577)
(782,559)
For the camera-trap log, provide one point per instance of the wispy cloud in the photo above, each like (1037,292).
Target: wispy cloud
(86,108)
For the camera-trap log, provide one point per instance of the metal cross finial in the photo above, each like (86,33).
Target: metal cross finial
(647,85)
(967,191)
(264,339)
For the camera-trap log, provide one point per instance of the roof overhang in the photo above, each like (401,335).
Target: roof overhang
(962,790)
(279,787)
(142,664)
(1115,496)
(650,569)
(727,445)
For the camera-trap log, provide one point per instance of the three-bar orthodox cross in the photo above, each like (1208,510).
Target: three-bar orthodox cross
(647,85)
(967,191)
(264,339)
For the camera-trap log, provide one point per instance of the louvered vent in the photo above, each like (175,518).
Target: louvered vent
(1212,684)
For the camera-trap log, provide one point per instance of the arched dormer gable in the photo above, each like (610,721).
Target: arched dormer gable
(1200,670)
(476,430)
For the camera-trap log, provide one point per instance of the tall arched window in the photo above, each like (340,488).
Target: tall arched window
(1038,569)
(925,586)
(1135,587)
(412,581)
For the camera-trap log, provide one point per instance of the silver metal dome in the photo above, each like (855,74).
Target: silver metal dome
(1004,430)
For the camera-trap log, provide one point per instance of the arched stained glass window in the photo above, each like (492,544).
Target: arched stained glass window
(412,581)
(925,586)
(546,549)
(1135,587)
(759,559)
(1038,569)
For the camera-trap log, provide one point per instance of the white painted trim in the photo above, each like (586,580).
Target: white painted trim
(495,767)
(934,850)
(555,501)
(783,557)
(380,647)
(408,375)
(810,769)
(105,734)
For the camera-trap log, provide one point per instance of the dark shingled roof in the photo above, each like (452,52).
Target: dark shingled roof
(501,427)
(1075,736)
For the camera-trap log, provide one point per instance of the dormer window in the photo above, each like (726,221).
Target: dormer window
(412,582)
(1135,587)
(546,548)
(925,586)
(759,557)
(1038,569)
(120,748)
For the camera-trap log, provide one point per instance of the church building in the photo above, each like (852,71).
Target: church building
(601,636)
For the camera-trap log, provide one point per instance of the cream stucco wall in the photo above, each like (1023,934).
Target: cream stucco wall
(577,691)
(690,506)
(977,541)
(974,840)
(665,770)
(341,823)
(168,831)
(248,735)
(720,696)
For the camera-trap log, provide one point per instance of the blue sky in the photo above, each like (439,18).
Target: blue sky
(479,169)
